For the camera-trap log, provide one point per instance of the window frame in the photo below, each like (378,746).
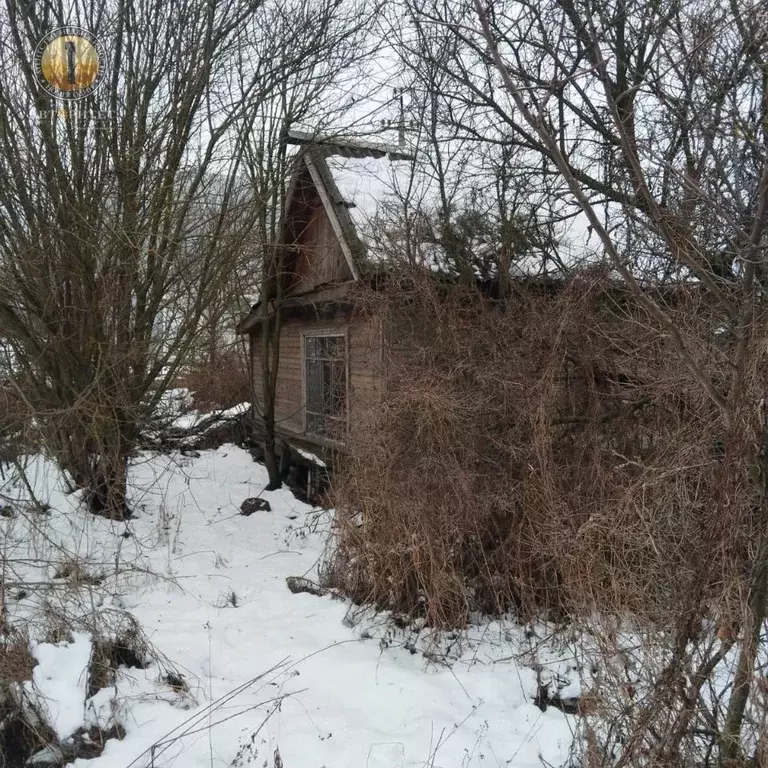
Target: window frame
(314,334)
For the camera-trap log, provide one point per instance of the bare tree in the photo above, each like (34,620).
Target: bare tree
(123,213)
(320,100)
(654,118)
(496,210)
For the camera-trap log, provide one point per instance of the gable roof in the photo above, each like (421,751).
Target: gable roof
(335,207)
(352,179)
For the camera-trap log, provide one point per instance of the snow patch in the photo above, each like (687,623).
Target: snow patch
(59,681)
(267,669)
(309,456)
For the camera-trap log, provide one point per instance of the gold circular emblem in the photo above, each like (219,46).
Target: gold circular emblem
(69,63)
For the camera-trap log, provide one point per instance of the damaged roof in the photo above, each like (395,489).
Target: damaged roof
(356,182)
(353,178)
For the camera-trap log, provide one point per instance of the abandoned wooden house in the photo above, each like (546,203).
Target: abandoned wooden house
(333,358)
(330,358)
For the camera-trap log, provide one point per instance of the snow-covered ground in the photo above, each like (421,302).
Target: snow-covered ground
(268,672)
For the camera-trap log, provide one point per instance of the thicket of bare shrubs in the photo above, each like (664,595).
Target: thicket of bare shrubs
(218,382)
(541,452)
(549,455)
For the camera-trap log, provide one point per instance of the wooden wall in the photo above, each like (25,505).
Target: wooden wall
(364,367)
(319,259)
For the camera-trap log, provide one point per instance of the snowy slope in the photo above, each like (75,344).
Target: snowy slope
(266,669)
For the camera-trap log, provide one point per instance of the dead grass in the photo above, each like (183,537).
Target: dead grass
(130,649)
(16,659)
(76,573)
(22,730)
(536,455)
(22,734)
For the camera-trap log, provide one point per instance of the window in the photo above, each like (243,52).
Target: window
(325,371)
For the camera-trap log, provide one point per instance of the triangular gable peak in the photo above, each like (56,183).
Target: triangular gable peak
(332,196)
(315,253)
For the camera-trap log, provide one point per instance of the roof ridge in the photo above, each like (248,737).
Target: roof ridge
(348,146)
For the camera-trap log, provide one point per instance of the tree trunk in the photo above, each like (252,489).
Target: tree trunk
(269,362)
(730,751)
(107,494)
(270,456)
(731,747)
(99,464)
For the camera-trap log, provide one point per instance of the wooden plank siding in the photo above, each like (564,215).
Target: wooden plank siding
(364,372)
(319,258)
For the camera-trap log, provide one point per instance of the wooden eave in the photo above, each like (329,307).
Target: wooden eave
(324,299)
